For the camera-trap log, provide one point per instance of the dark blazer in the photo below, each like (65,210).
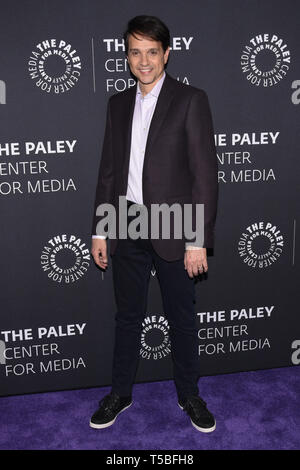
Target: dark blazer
(180,161)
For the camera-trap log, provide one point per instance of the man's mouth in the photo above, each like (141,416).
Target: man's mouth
(145,70)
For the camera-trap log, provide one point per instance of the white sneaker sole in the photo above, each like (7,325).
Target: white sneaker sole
(106,425)
(198,427)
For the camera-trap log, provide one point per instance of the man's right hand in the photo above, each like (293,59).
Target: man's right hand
(99,252)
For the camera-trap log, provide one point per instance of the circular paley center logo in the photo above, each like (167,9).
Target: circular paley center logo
(55,66)
(265,60)
(155,340)
(65,259)
(260,245)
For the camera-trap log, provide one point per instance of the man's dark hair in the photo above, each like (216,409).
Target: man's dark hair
(148,26)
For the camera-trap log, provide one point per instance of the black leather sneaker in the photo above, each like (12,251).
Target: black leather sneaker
(109,408)
(201,418)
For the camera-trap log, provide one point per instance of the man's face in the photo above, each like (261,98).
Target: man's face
(146,59)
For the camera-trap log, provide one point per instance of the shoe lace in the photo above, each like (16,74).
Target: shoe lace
(109,401)
(196,404)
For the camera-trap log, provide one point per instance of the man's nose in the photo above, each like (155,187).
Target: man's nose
(144,59)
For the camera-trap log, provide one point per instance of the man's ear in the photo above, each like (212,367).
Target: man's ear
(166,54)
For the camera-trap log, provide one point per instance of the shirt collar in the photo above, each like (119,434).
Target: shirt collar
(155,90)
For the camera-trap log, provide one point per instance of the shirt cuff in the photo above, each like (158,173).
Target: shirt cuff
(192,247)
(102,237)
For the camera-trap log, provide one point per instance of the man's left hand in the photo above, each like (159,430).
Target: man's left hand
(195,261)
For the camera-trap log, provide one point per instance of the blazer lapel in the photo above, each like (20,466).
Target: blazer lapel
(163,102)
(128,123)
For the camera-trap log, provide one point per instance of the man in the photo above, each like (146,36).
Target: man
(158,148)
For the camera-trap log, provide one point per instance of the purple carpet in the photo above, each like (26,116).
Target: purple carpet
(253,410)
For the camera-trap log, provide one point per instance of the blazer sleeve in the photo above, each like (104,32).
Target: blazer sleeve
(202,159)
(105,182)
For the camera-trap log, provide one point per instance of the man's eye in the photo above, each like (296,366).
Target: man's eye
(153,52)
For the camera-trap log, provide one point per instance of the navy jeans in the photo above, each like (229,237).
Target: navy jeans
(131,264)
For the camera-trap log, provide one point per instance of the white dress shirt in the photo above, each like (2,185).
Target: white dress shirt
(143,112)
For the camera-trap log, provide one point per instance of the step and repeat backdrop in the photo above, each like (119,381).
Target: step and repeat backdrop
(59,63)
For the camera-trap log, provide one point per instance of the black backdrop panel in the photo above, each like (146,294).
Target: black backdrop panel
(60,61)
